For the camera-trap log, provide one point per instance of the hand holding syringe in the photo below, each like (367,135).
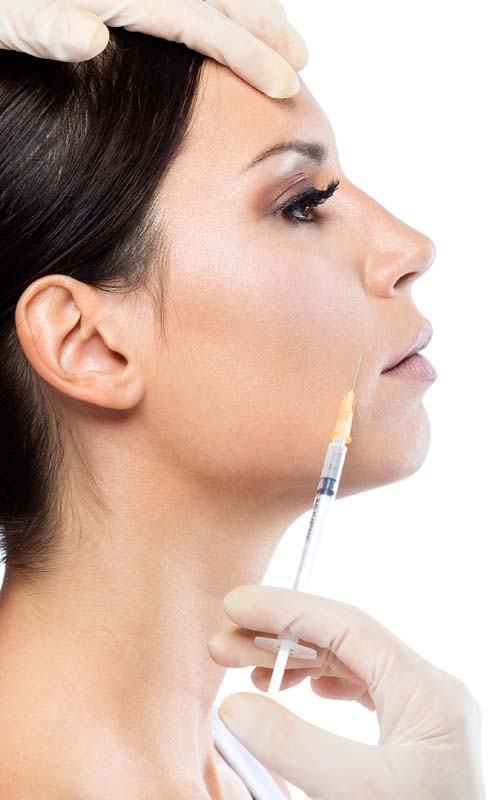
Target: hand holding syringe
(432,741)
(287,642)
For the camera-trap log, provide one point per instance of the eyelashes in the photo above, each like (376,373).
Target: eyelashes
(310,198)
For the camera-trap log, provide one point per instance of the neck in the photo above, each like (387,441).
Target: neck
(118,632)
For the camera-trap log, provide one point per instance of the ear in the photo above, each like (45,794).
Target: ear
(78,339)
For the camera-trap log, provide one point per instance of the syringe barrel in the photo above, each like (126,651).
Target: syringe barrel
(325,495)
(332,467)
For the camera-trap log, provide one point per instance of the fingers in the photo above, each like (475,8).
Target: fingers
(375,655)
(202,27)
(83,36)
(57,31)
(261,676)
(235,647)
(267,20)
(329,677)
(254,39)
(307,756)
(332,688)
(341,689)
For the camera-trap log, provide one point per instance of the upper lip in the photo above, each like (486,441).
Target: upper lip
(420,342)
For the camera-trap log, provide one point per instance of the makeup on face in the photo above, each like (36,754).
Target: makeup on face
(416,366)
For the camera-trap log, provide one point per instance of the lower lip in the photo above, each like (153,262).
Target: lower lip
(416,367)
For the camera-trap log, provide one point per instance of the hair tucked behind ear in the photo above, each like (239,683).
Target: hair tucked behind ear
(83,148)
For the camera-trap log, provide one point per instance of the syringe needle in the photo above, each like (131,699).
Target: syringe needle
(356,373)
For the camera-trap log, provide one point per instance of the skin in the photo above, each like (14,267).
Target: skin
(213,443)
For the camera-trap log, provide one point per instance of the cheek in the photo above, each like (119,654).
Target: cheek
(260,349)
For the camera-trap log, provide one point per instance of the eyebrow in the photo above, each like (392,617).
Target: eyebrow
(316,151)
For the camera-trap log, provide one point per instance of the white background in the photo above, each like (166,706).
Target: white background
(412,90)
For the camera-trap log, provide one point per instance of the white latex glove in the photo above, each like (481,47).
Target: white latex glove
(251,37)
(430,724)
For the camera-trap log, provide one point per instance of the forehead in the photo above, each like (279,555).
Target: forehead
(233,122)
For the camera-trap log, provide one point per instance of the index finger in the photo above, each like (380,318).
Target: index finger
(268,21)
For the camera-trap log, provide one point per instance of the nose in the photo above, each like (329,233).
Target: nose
(398,254)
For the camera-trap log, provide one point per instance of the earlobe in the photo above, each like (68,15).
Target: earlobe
(73,336)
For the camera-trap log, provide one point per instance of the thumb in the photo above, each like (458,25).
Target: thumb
(316,761)
(75,35)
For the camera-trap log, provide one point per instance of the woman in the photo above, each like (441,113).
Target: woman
(171,312)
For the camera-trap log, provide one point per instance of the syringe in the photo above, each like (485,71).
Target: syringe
(287,643)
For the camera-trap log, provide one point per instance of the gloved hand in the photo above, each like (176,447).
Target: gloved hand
(430,724)
(252,37)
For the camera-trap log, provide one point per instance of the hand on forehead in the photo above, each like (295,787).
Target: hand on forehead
(253,38)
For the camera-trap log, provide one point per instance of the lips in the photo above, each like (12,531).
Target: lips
(420,342)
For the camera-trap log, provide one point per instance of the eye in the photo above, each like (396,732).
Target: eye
(310,198)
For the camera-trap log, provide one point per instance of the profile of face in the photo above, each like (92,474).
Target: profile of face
(268,314)
(268,311)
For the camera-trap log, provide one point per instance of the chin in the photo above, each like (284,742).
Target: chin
(389,457)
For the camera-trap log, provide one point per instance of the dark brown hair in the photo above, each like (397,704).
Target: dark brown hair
(83,148)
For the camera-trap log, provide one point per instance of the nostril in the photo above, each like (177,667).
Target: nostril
(408,277)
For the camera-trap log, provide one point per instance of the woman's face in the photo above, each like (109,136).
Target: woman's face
(265,318)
